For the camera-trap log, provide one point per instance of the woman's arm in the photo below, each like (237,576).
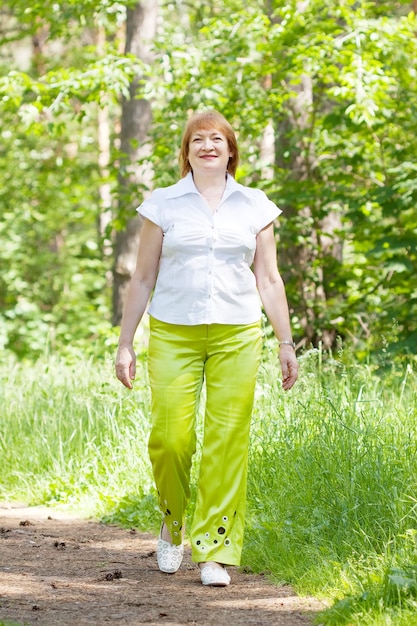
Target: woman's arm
(141,285)
(272,292)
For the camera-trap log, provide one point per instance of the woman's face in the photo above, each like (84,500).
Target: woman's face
(208,151)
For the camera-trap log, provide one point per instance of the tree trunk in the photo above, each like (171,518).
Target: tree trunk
(135,175)
(315,249)
(308,264)
(104,149)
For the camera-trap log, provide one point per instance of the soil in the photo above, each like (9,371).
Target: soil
(59,569)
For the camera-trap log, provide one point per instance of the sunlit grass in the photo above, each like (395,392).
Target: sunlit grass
(71,434)
(332,495)
(333,484)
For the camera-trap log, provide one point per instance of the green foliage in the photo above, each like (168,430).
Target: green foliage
(332,485)
(345,156)
(387,593)
(63,19)
(134,511)
(334,80)
(52,278)
(72,435)
(54,286)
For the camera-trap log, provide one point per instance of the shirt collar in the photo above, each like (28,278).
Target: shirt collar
(186,185)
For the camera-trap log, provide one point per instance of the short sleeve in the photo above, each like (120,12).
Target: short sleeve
(267,211)
(151,210)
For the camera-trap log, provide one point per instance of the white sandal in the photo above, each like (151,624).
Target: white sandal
(168,555)
(214,576)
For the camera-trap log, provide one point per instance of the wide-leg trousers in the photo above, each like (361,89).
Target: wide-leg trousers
(180,359)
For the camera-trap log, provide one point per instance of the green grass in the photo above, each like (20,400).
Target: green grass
(332,494)
(70,434)
(333,488)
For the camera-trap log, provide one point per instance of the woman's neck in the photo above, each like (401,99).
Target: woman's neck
(210,186)
(211,189)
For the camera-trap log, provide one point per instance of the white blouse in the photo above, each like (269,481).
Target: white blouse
(205,274)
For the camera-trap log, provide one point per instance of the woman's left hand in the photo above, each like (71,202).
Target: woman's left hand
(289,366)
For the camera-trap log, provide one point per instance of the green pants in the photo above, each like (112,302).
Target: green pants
(180,359)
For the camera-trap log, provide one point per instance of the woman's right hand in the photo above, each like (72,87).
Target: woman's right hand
(126,365)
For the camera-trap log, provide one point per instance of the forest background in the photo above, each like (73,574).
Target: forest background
(323,96)
(93,98)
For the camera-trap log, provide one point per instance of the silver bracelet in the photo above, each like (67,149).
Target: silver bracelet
(287,343)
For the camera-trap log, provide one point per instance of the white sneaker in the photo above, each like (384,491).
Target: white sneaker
(168,555)
(214,576)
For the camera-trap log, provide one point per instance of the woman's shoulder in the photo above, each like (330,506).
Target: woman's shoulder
(249,192)
(266,209)
(179,188)
(156,208)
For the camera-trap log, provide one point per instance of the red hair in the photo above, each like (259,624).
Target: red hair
(207,120)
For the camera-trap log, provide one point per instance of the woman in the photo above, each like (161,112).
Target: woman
(199,240)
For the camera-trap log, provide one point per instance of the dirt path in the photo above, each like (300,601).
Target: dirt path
(57,569)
